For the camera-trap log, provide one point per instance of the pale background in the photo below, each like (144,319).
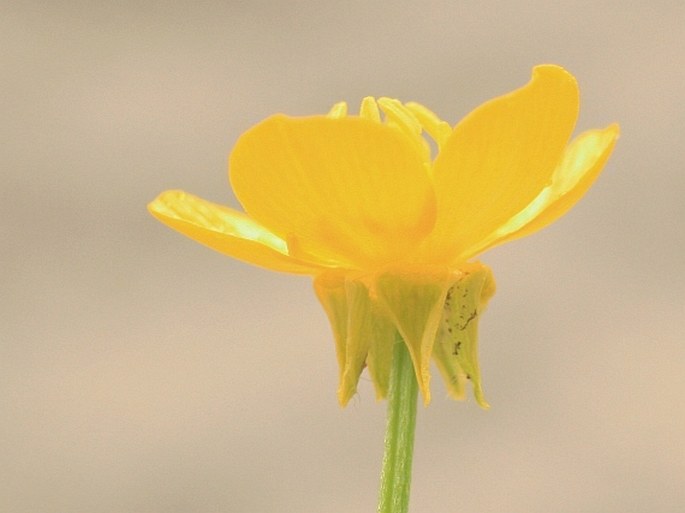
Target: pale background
(143,373)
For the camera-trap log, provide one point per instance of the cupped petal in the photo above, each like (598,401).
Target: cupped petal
(348,189)
(499,158)
(578,169)
(227,231)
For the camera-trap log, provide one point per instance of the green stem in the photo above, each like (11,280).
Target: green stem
(399,434)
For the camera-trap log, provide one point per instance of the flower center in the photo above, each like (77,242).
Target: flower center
(412,119)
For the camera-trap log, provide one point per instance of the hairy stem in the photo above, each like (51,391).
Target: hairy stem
(399,434)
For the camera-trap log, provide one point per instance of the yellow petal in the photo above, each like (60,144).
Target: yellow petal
(499,158)
(349,189)
(414,302)
(456,346)
(578,169)
(227,231)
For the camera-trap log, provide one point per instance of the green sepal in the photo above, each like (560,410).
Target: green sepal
(456,345)
(364,335)
(380,355)
(414,302)
(359,323)
(330,289)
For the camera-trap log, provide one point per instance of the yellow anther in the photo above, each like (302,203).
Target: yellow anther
(339,110)
(400,115)
(369,109)
(438,129)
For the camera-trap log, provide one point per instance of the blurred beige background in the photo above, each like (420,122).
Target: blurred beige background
(142,373)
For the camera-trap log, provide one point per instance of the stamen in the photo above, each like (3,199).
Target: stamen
(369,109)
(339,110)
(438,129)
(398,115)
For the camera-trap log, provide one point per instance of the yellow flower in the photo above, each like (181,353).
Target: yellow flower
(387,229)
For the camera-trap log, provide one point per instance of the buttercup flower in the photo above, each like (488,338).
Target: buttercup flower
(387,228)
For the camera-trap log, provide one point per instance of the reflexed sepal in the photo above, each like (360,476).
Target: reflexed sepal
(456,345)
(370,339)
(330,289)
(363,334)
(435,312)
(414,302)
